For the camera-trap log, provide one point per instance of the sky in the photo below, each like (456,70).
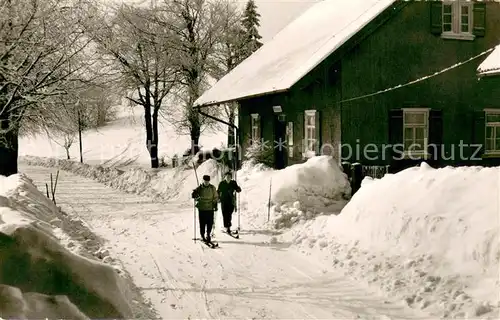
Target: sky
(275,14)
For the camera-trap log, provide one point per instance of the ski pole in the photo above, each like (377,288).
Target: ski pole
(194,203)
(238,198)
(269,201)
(238,212)
(194,220)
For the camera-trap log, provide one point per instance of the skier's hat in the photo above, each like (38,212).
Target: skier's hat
(206,177)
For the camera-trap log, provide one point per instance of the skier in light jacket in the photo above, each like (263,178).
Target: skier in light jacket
(206,201)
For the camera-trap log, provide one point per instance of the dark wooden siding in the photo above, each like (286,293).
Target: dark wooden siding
(319,94)
(263,106)
(405,49)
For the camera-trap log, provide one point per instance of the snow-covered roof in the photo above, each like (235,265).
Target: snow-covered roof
(491,65)
(295,50)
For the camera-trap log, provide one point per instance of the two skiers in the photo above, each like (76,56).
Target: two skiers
(207,198)
(226,191)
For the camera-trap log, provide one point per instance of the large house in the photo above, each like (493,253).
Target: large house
(388,83)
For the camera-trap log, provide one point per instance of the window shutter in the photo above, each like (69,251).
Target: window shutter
(479,132)
(251,130)
(304,134)
(479,19)
(435,140)
(396,126)
(436,17)
(317,118)
(261,128)
(395,133)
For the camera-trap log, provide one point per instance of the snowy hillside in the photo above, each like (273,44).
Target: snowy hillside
(122,142)
(39,277)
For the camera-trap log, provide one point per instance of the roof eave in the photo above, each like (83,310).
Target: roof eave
(491,73)
(256,95)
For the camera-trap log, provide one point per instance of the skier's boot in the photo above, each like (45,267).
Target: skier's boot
(203,238)
(228,230)
(208,239)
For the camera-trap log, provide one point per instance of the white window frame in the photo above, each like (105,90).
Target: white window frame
(289,134)
(309,141)
(495,131)
(456,20)
(416,153)
(255,128)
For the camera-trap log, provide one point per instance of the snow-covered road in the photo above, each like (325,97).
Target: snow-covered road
(246,278)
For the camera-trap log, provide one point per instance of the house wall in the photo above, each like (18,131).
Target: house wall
(320,91)
(397,47)
(403,50)
(264,107)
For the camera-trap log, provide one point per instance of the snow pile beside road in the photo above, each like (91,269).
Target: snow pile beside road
(38,276)
(429,235)
(298,192)
(160,184)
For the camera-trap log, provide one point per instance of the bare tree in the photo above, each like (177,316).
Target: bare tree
(37,41)
(198,26)
(141,48)
(229,52)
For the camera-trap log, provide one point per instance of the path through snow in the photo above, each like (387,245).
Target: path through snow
(245,278)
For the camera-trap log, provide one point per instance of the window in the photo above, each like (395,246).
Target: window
(310,132)
(415,131)
(255,128)
(457,19)
(492,131)
(289,134)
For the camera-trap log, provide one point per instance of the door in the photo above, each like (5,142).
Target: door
(280,143)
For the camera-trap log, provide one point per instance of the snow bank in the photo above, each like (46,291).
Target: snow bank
(298,192)
(428,235)
(38,276)
(159,184)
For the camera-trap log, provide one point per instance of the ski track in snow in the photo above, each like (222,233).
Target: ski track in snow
(244,278)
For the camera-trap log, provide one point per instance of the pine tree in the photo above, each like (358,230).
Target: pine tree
(250,22)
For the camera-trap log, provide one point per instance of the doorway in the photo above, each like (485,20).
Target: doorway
(280,143)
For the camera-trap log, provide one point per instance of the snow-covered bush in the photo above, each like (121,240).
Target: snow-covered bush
(260,153)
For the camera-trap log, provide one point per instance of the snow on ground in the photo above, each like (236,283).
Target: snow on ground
(162,184)
(427,237)
(122,142)
(430,236)
(298,192)
(251,277)
(45,266)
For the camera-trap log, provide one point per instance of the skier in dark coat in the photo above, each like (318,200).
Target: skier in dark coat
(207,198)
(226,190)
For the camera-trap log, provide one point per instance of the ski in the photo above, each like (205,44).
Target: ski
(233,234)
(210,244)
